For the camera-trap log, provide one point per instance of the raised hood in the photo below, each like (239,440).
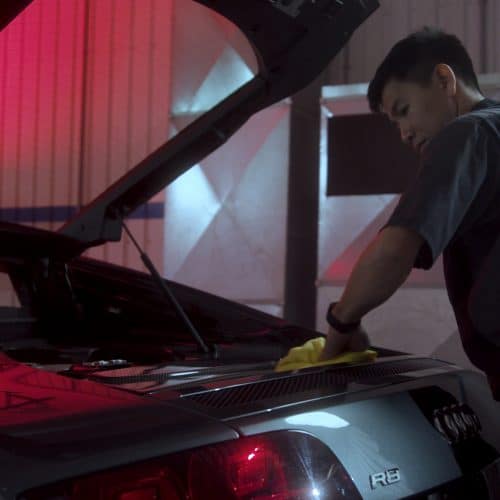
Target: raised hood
(293,41)
(9,9)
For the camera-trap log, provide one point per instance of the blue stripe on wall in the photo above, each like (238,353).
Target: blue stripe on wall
(148,211)
(63,213)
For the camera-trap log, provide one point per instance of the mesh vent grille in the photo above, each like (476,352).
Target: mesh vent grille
(267,389)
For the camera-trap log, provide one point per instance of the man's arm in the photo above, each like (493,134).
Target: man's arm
(380,271)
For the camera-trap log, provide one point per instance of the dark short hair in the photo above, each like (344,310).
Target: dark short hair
(414,58)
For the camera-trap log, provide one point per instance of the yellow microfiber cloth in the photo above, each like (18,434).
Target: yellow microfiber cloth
(307,354)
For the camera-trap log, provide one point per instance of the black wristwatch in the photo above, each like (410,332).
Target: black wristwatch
(337,324)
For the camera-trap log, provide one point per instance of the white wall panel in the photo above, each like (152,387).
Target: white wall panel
(211,58)
(225,219)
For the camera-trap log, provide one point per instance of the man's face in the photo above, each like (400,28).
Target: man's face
(420,112)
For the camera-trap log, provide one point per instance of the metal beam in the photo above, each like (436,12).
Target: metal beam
(303,194)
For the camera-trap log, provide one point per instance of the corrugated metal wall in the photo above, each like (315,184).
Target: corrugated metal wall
(473,21)
(127,98)
(41,55)
(84,96)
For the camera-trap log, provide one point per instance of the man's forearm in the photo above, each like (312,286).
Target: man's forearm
(380,271)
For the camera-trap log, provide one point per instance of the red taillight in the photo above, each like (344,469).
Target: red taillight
(247,468)
(254,470)
(275,466)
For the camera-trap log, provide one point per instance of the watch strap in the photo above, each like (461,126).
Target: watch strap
(338,325)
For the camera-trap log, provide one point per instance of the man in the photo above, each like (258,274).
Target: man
(427,86)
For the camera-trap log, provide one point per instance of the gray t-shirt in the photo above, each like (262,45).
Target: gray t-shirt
(454,204)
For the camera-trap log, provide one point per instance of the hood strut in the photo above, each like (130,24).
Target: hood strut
(167,292)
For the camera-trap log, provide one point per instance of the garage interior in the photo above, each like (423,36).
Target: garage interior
(90,87)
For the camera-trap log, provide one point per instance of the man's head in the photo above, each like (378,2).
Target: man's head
(426,80)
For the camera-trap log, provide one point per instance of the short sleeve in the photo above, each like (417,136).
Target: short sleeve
(451,174)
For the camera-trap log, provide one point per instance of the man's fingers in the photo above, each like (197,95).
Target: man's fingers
(359,341)
(338,343)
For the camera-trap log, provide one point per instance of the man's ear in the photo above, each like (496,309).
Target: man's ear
(446,79)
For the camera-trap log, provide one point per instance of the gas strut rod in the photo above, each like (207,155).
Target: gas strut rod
(167,292)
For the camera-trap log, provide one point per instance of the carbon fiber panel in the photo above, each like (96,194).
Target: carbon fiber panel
(303,382)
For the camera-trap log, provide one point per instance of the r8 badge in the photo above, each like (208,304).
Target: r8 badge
(390,476)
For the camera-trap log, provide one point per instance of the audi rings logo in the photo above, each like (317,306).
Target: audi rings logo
(456,422)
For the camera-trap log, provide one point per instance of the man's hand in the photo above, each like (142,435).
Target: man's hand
(379,272)
(337,343)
